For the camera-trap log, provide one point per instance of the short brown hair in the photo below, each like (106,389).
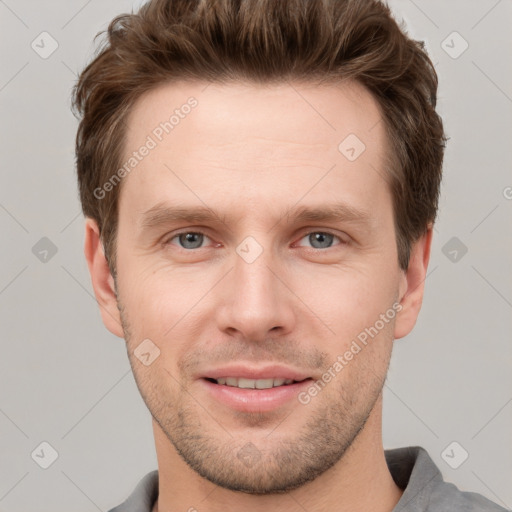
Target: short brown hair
(264,41)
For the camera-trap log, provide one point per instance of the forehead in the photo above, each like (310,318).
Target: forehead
(215,140)
(295,112)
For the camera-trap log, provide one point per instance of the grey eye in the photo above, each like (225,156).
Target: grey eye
(190,240)
(320,240)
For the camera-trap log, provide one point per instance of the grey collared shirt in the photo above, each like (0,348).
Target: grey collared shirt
(411,468)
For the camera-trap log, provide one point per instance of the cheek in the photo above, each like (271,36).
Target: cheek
(350,300)
(162,306)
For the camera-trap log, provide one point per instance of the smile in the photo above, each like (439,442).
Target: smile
(244,383)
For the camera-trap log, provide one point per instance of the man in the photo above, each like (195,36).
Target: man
(260,181)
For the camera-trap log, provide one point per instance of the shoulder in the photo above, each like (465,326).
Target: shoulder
(425,490)
(143,496)
(447,497)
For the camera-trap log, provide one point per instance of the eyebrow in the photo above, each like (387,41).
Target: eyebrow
(334,212)
(163,214)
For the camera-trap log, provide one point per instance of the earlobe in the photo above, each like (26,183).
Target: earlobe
(102,280)
(413,284)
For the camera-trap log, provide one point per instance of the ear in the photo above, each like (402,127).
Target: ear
(412,285)
(102,280)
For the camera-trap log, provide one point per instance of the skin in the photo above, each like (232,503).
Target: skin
(253,153)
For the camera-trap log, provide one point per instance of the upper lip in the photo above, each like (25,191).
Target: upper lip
(250,372)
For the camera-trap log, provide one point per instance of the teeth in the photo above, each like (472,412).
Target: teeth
(265,383)
(253,383)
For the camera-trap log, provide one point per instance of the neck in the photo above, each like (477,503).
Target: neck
(360,481)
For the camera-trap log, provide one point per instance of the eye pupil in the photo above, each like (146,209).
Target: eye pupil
(318,240)
(324,239)
(191,240)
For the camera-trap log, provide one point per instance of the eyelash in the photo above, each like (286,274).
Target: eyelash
(176,235)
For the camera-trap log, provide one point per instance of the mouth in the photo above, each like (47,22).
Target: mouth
(255,391)
(245,383)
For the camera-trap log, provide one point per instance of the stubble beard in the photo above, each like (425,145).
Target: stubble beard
(257,464)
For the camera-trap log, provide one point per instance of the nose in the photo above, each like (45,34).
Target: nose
(256,302)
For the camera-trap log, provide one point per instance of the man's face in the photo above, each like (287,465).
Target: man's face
(257,291)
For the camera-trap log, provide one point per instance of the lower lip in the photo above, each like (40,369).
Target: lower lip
(255,400)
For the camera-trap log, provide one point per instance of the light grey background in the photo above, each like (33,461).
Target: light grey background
(65,380)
